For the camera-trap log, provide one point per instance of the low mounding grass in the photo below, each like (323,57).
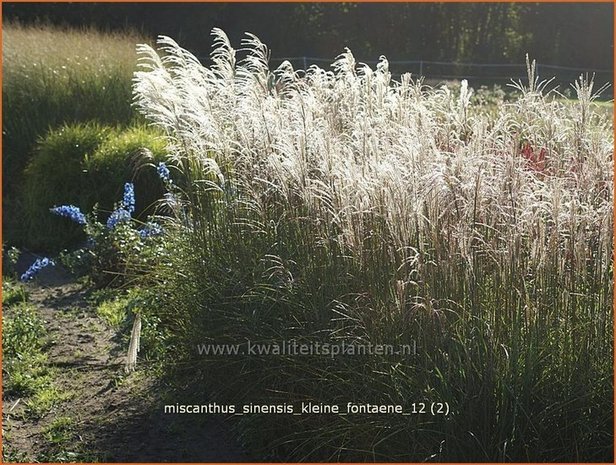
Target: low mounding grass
(53,76)
(86,165)
(56,176)
(339,206)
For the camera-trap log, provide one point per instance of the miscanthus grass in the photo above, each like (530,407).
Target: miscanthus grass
(343,205)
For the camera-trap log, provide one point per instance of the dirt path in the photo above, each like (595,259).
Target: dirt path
(110,416)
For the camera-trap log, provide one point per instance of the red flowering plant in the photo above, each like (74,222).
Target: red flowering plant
(535,160)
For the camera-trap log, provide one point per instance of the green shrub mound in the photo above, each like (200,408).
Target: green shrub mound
(86,165)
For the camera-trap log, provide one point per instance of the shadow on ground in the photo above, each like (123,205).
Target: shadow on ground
(136,429)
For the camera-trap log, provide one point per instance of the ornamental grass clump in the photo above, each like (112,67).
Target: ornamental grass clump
(341,205)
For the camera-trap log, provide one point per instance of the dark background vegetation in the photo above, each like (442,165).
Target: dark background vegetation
(563,34)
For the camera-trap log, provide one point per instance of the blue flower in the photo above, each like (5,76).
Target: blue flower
(70,211)
(34,269)
(150,230)
(163,172)
(118,216)
(128,202)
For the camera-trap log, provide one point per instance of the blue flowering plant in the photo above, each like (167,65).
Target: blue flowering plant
(71,212)
(36,268)
(164,173)
(117,246)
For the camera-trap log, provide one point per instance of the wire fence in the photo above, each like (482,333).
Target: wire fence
(477,74)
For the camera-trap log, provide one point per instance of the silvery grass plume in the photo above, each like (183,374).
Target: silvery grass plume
(431,175)
(134,345)
(365,208)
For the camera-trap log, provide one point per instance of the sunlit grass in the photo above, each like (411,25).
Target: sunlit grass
(339,205)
